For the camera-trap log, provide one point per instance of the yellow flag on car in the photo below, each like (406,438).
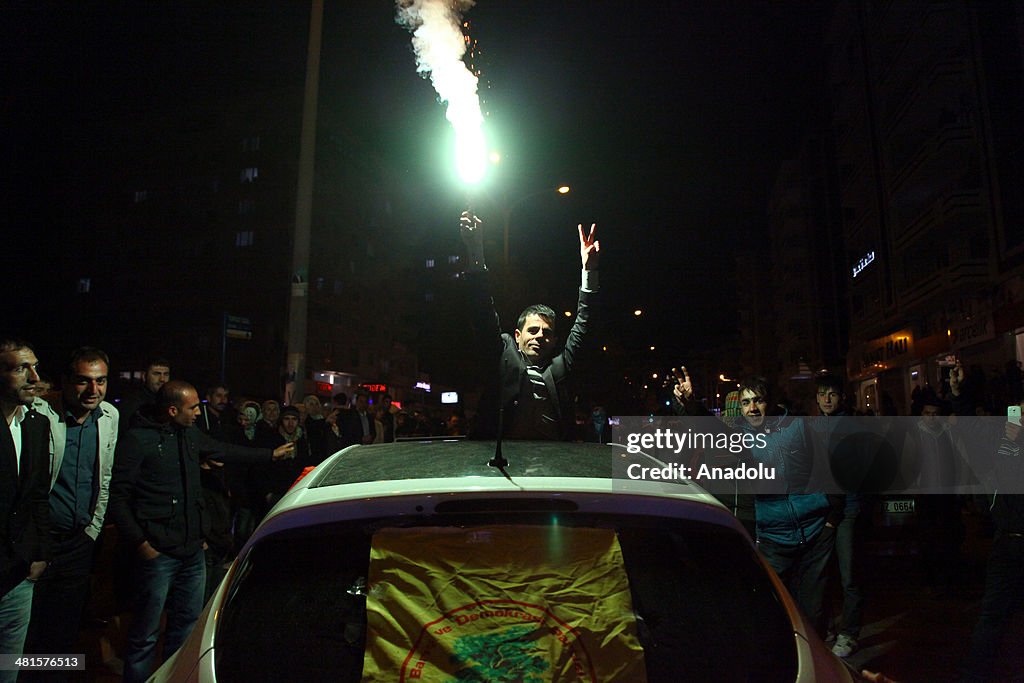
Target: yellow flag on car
(516,604)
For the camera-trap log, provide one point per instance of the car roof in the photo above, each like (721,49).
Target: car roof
(431,459)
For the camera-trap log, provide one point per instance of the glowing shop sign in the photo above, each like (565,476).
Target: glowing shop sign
(863,263)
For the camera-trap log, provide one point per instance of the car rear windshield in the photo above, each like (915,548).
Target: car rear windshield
(521,598)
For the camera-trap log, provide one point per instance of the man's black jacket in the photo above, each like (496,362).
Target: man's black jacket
(155,491)
(509,384)
(24,500)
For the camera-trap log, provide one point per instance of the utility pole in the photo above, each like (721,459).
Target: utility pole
(298,310)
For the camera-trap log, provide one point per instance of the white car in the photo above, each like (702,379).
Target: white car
(422,561)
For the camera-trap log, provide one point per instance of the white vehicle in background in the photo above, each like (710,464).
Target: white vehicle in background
(421,561)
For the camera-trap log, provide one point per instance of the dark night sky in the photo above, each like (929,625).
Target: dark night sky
(669,119)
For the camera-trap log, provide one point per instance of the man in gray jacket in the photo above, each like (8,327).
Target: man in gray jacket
(83,436)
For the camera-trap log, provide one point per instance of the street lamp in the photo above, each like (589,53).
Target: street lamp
(506,212)
(722,379)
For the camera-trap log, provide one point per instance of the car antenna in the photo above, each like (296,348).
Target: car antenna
(499,460)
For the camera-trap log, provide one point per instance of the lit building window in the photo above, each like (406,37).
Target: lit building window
(84,285)
(430,263)
(141,196)
(250,174)
(453,259)
(244,238)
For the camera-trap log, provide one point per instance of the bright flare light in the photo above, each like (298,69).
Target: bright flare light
(439,47)
(470,153)
(564,189)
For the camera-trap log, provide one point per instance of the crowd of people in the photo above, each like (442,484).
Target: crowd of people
(191,479)
(184,479)
(801,531)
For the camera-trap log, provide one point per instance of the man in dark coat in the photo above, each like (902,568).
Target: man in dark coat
(24,495)
(529,383)
(158,373)
(156,502)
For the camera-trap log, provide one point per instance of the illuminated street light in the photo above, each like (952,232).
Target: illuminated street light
(722,379)
(506,212)
(568,314)
(638,313)
(652,348)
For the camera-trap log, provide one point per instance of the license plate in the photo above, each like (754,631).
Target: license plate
(899,505)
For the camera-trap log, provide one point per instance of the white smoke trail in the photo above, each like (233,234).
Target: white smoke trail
(439,46)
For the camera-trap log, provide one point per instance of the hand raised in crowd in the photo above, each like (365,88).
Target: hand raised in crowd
(684,387)
(472,237)
(956,377)
(284,451)
(469,227)
(589,248)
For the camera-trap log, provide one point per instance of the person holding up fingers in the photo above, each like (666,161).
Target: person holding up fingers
(528,386)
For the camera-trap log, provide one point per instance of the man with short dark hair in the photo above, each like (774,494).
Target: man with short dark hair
(528,388)
(796,529)
(156,502)
(361,427)
(83,436)
(212,411)
(830,397)
(157,373)
(936,507)
(24,485)
(266,427)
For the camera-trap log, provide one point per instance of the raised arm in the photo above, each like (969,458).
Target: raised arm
(482,315)
(473,238)
(590,247)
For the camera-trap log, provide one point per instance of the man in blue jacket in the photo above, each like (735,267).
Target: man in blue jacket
(796,529)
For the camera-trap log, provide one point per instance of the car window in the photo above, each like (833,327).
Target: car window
(702,607)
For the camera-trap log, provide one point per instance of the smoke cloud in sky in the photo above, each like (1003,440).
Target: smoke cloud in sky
(439,47)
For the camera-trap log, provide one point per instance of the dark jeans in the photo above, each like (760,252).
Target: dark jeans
(60,597)
(802,570)
(15,611)
(1004,594)
(163,581)
(848,557)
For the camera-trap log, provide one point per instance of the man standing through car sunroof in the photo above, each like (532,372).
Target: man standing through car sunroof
(528,382)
